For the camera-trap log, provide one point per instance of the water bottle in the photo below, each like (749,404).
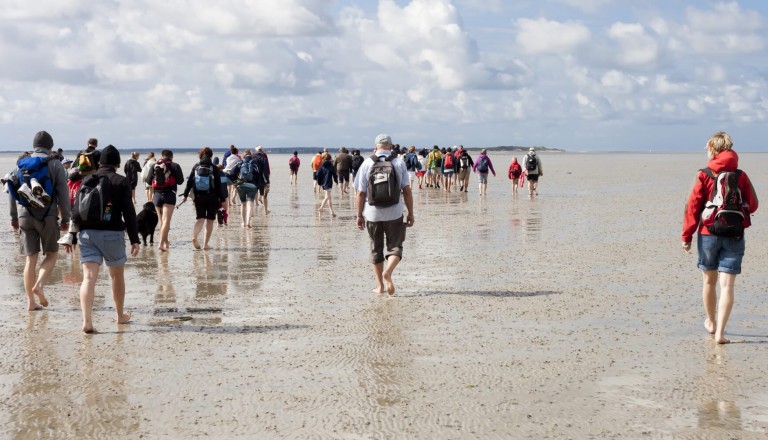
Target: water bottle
(108,212)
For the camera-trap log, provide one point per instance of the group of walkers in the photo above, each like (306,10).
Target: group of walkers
(94,205)
(445,168)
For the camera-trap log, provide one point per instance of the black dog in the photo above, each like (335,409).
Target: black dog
(147,220)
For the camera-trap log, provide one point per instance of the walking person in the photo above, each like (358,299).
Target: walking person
(326,176)
(104,241)
(380,182)
(246,185)
(262,179)
(132,169)
(720,249)
(448,169)
(481,167)
(343,163)
(464,166)
(534,171)
(514,172)
(293,164)
(210,196)
(148,167)
(35,202)
(357,162)
(232,160)
(165,178)
(317,160)
(434,167)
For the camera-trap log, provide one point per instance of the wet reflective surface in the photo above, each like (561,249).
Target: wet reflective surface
(571,315)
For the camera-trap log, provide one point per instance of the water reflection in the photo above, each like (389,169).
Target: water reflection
(718,408)
(210,281)
(165,291)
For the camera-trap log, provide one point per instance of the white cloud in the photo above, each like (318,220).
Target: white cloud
(726,29)
(547,36)
(587,5)
(636,48)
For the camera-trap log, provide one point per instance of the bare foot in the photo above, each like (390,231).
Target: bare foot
(710,326)
(125,319)
(333,214)
(722,339)
(388,281)
(207,248)
(379,289)
(88,328)
(40,296)
(34,308)
(195,243)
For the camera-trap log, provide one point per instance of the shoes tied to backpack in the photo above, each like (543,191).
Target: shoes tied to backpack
(39,191)
(28,196)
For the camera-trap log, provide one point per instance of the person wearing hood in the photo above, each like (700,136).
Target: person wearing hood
(481,166)
(326,176)
(514,172)
(533,171)
(104,241)
(39,227)
(719,256)
(210,196)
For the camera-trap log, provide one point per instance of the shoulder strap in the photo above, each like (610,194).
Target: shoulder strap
(708,171)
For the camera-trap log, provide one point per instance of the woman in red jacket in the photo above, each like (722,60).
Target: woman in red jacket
(719,256)
(514,172)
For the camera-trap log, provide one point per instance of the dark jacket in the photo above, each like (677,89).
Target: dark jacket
(178,175)
(123,213)
(326,175)
(343,162)
(469,160)
(262,166)
(132,169)
(216,188)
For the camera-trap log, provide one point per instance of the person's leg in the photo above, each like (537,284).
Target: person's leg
(159,210)
(208,233)
(87,288)
(196,232)
(378,274)
(330,203)
(709,297)
(530,188)
(117,273)
(46,267)
(323,203)
(29,281)
(392,261)
(724,306)
(265,201)
(165,243)
(249,208)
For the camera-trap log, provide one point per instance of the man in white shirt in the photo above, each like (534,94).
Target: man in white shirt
(384,218)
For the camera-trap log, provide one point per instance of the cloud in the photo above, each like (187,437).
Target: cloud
(587,5)
(726,29)
(537,36)
(636,48)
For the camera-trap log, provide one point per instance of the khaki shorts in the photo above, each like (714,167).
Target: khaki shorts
(394,231)
(33,233)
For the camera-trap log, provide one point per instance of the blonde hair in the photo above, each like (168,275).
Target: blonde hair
(326,156)
(719,142)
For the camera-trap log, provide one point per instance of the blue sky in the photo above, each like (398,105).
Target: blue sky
(582,75)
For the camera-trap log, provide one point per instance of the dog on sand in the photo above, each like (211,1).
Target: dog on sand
(147,220)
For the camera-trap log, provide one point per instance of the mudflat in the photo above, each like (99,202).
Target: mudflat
(572,315)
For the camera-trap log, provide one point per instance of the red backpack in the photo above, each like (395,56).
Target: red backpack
(448,161)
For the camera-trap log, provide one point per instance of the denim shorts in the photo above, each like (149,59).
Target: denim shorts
(482,177)
(97,246)
(723,254)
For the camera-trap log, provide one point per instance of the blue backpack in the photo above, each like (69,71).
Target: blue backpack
(203,178)
(28,168)
(482,164)
(246,171)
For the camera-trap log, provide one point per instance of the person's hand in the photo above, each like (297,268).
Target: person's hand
(15,224)
(409,220)
(223,204)
(687,247)
(68,248)
(360,223)
(135,249)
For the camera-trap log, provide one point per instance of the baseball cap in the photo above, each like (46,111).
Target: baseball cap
(383,139)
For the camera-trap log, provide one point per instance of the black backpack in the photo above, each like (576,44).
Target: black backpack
(93,201)
(531,163)
(383,184)
(724,213)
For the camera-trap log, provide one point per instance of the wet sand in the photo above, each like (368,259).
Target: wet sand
(573,315)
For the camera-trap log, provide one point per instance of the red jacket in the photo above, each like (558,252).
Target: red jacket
(515,170)
(727,160)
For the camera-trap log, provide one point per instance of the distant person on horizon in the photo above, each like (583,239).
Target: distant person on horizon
(720,250)
(379,183)
(481,167)
(293,164)
(533,170)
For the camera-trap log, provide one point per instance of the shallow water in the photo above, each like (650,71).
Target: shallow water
(573,315)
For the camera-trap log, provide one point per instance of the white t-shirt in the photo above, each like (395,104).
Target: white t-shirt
(382,214)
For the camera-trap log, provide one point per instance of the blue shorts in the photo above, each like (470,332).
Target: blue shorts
(482,177)
(723,254)
(247,191)
(97,246)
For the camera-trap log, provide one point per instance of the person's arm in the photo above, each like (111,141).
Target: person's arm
(408,199)
(220,188)
(178,174)
(14,211)
(359,205)
(490,165)
(189,183)
(335,176)
(538,164)
(62,194)
(129,217)
(693,209)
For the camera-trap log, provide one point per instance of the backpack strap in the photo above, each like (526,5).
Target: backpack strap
(708,171)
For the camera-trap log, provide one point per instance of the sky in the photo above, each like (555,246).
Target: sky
(580,75)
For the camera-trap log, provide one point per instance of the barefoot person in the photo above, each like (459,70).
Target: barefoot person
(326,176)
(210,196)
(164,179)
(481,167)
(719,256)
(382,214)
(37,221)
(104,241)
(533,171)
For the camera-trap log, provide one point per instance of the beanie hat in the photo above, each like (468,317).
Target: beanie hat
(110,156)
(43,140)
